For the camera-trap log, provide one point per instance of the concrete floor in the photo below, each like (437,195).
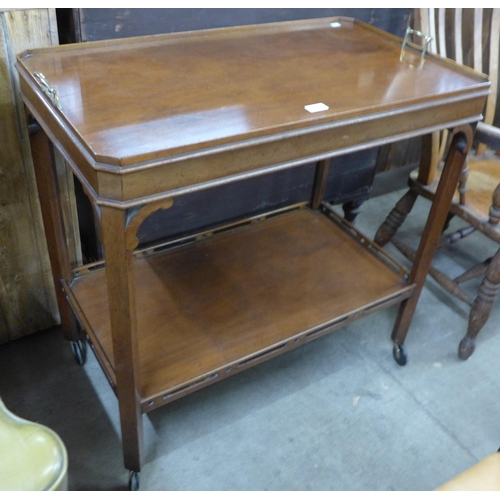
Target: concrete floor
(335,414)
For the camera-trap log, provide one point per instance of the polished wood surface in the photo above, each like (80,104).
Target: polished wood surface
(211,298)
(122,317)
(231,84)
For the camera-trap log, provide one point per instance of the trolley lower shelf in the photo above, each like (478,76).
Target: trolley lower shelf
(212,307)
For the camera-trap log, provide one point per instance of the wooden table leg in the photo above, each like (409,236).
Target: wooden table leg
(459,147)
(481,307)
(320,182)
(119,272)
(42,152)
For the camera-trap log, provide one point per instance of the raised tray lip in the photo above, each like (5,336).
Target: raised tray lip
(230,30)
(122,164)
(159,38)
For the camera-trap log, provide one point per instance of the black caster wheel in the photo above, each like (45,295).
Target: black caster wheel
(133,480)
(79,351)
(399,353)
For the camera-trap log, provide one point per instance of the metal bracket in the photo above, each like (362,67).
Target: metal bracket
(51,92)
(426,38)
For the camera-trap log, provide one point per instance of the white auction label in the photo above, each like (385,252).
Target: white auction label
(314,108)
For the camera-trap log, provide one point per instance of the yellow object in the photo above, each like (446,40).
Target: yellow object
(32,456)
(484,476)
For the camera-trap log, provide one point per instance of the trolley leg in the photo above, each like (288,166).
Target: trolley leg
(48,190)
(119,272)
(433,228)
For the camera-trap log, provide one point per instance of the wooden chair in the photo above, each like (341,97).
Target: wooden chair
(32,456)
(483,476)
(477,200)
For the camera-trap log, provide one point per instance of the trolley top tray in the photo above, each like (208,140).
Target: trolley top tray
(133,104)
(173,93)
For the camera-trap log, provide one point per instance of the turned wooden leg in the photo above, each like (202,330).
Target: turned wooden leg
(118,254)
(50,203)
(439,210)
(495,207)
(352,209)
(449,218)
(394,220)
(462,183)
(481,308)
(459,234)
(479,270)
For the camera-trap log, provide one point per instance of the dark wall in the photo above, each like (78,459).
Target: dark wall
(101,24)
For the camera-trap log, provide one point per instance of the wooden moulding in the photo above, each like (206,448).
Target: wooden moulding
(203,302)
(225,164)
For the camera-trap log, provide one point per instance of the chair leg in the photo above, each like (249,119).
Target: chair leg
(495,207)
(481,308)
(479,270)
(447,283)
(394,220)
(352,209)
(448,220)
(462,183)
(450,238)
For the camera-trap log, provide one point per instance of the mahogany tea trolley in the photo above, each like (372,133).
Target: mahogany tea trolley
(142,122)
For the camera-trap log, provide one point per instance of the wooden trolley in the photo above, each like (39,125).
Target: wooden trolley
(144,121)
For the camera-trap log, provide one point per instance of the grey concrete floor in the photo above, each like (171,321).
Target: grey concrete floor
(335,414)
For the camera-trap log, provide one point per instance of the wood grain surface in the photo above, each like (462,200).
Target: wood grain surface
(138,99)
(27,300)
(209,304)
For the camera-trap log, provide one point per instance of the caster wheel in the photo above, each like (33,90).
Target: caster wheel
(466,348)
(399,353)
(133,481)
(79,351)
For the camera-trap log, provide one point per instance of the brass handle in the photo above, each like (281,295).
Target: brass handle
(51,92)
(427,39)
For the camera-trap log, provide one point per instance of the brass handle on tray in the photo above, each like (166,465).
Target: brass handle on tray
(51,92)
(426,38)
